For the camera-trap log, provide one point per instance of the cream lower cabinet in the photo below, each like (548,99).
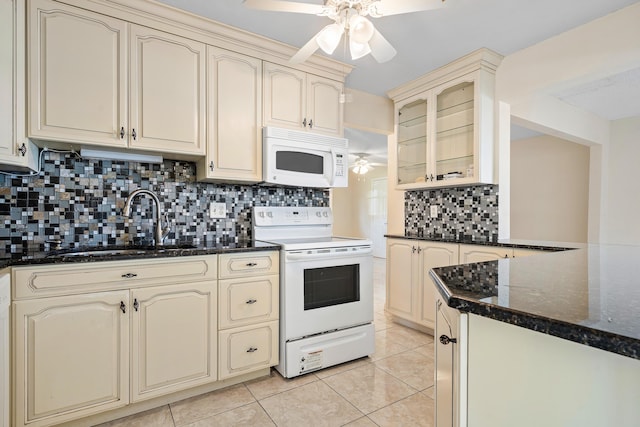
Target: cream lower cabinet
(98,80)
(297,100)
(79,351)
(480,253)
(234,131)
(410,293)
(71,357)
(173,338)
(249,312)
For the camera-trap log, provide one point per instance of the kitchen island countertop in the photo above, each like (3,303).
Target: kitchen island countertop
(590,296)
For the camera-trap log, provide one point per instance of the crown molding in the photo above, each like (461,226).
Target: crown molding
(182,23)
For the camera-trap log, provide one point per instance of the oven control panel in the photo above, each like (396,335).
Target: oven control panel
(292,215)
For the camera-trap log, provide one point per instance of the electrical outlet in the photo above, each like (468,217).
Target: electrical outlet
(217,210)
(434,211)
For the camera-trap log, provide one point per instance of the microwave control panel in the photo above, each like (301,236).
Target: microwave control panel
(339,165)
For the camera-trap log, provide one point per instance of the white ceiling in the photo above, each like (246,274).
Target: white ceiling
(427,40)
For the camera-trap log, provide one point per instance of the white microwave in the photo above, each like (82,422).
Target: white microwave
(304,159)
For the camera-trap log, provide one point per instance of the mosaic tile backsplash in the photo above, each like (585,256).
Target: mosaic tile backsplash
(80,201)
(469,213)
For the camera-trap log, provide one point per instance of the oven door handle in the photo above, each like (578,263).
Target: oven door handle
(312,257)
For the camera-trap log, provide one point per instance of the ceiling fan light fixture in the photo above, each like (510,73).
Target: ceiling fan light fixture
(329,38)
(360,29)
(358,50)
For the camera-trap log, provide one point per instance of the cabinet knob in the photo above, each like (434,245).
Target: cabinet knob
(136,305)
(252,349)
(419,249)
(134,134)
(310,123)
(122,132)
(252,264)
(413,249)
(446,340)
(252,301)
(22,149)
(123,307)
(211,165)
(304,122)
(129,275)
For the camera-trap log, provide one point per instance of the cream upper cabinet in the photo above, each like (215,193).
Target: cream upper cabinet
(297,100)
(445,125)
(480,253)
(234,131)
(16,153)
(79,62)
(71,357)
(78,68)
(167,98)
(410,291)
(173,338)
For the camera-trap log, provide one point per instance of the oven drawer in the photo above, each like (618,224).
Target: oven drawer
(248,300)
(248,264)
(247,349)
(67,279)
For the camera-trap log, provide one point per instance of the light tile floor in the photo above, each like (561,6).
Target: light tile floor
(393,387)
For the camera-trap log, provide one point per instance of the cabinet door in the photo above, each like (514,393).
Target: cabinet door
(324,110)
(234,132)
(445,354)
(400,278)
(167,95)
(285,97)
(173,338)
(71,357)
(77,69)
(433,255)
(479,253)
(412,135)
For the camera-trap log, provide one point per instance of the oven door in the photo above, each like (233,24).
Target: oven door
(326,289)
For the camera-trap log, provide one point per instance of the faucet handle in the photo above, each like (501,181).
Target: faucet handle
(167,229)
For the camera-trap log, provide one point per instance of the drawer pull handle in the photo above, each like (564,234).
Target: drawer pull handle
(252,264)
(129,275)
(252,349)
(123,307)
(446,340)
(252,301)
(136,304)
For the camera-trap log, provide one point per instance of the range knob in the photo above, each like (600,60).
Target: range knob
(261,214)
(319,214)
(270,214)
(325,214)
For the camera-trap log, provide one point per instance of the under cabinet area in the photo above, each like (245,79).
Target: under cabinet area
(79,61)
(445,125)
(249,312)
(302,101)
(102,337)
(234,116)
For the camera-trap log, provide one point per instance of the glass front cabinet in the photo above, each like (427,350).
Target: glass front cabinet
(445,125)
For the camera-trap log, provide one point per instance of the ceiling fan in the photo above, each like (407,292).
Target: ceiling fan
(350,19)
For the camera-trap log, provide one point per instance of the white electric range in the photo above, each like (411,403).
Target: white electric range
(326,289)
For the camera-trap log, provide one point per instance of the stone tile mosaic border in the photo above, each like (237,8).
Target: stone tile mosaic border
(463,212)
(80,202)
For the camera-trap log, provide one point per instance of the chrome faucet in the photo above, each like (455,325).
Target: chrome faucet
(160,234)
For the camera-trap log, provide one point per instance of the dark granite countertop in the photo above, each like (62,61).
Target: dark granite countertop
(127,252)
(468,240)
(590,296)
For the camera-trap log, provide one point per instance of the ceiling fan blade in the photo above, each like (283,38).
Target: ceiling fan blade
(381,49)
(305,51)
(285,6)
(397,7)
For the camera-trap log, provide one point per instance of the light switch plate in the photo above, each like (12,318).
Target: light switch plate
(217,210)
(434,211)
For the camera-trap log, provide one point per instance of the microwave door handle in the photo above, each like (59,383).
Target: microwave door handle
(333,167)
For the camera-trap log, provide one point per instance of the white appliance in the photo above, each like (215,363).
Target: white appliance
(326,289)
(304,159)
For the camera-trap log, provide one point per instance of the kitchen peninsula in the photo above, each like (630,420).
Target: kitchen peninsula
(551,339)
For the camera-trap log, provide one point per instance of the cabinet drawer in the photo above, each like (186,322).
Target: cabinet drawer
(49,280)
(248,264)
(247,349)
(248,300)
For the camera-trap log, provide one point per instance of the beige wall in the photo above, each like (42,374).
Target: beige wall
(549,189)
